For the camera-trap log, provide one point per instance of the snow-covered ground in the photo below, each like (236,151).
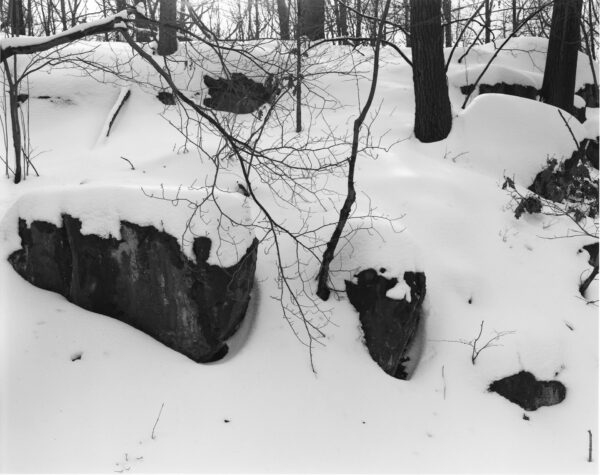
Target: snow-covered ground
(262,408)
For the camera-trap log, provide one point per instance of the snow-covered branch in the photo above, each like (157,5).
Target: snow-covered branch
(33,44)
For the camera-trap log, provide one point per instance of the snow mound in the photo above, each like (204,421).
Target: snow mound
(183,213)
(495,74)
(521,59)
(512,136)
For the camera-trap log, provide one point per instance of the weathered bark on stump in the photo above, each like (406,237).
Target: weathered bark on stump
(142,279)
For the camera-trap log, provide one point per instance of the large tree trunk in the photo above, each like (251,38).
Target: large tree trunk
(433,116)
(558,87)
(167,33)
(312,18)
(284,19)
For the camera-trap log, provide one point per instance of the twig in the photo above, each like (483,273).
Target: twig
(590,446)
(157,419)
(444,380)
(130,164)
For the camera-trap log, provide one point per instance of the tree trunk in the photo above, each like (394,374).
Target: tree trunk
(142,32)
(343,22)
(433,116)
(284,19)
(406,6)
(312,18)
(515,21)
(16,17)
(256,21)
(63,15)
(167,33)
(488,20)
(358,18)
(558,87)
(447,6)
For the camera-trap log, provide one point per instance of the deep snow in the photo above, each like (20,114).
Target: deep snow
(263,409)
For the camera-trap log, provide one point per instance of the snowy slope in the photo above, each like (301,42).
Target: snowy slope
(262,408)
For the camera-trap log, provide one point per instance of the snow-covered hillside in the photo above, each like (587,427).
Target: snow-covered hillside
(131,404)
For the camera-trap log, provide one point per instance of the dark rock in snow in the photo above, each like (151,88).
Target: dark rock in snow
(529,393)
(592,250)
(166,97)
(579,113)
(142,279)
(239,94)
(390,326)
(589,93)
(528,92)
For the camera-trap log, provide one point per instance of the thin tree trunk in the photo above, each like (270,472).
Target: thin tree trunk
(447,6)
(358,18)
(256,21)
(298,70)
(558,86)
(433,115)
(488,20)
(63,15)
(406,6)
(323,290)
(14,118)
(284,19)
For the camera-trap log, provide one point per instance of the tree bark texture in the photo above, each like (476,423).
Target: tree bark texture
(167,33)
(558,87)
(312,18)
(433,115)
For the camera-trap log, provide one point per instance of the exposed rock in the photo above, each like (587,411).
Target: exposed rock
(142,279)
(239,94)
(579,113)
(592,250)
(529,92)
(569,181)
(529,393)
(166,97)
(589,93)
(390,326)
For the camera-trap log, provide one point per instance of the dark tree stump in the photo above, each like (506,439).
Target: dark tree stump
(390,326)
(142,279)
